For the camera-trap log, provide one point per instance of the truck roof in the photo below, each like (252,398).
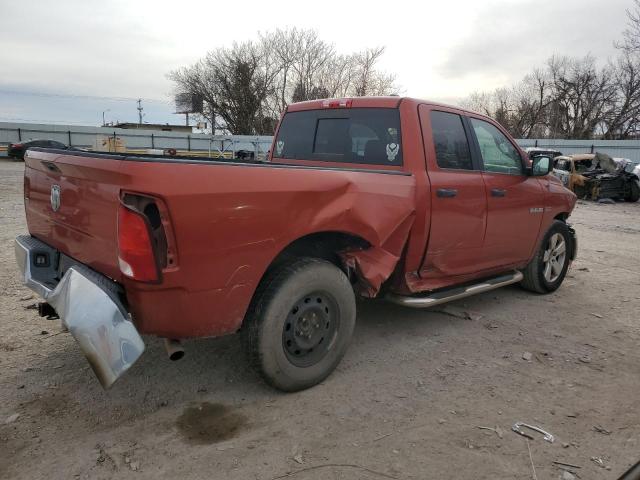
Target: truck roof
(368,102)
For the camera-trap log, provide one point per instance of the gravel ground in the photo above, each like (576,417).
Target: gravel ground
(406,402)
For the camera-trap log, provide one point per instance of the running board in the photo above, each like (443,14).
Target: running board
(455,293)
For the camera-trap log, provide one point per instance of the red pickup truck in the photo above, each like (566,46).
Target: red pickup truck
(408,200)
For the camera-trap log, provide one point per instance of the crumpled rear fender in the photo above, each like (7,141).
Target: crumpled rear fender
(374,265)
(375,207)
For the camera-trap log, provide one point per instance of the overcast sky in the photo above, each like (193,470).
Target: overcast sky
(60,60)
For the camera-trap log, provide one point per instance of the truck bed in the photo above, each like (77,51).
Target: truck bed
(228,220)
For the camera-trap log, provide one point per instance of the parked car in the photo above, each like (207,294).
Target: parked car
(537,151)
(17,150)
(596,175)
(397,198)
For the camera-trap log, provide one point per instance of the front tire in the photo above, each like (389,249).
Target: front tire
(547,269)
(300,323)
(634,192)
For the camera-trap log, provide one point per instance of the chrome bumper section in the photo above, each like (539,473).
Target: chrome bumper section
(88,306)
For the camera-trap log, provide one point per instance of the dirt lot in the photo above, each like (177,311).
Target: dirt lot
(406,402)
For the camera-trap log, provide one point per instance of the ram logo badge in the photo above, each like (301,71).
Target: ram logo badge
(55,197)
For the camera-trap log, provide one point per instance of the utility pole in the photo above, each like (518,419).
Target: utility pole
(140,111)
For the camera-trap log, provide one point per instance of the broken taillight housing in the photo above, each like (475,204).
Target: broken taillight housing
(136,256)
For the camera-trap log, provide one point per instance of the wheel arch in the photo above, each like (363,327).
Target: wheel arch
(325,245)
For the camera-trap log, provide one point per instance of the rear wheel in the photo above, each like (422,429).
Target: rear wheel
(300,323)
(547,269)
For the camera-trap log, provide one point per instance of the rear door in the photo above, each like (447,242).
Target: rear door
(515,201)
(459,204)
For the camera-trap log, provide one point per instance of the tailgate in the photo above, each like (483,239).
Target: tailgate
(71,203)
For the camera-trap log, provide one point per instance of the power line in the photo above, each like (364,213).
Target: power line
(92,97)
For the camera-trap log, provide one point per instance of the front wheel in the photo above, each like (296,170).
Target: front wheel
(547,269)
(634,192)
(300,323)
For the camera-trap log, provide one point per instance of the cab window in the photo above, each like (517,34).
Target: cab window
(450,141)
(498,153)
(351,135)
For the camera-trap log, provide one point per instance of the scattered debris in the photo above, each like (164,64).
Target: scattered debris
(12,418)
(533,467)
(498,431)
(382,436)
(25,298)
(298,458)
(585,359)
(598,461)
(517,427)
(597,315)
(527,356)
(44,332)
(32,306)
(584,269)
(566,464)
(461,313)
(566,475)
(135,466)
(601,429)
(607,201)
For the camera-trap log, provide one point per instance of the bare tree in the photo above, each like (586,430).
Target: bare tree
(368,80)
(248,86)
(631,35)
(582,94)
(519,108)
(234,83)
(623,117)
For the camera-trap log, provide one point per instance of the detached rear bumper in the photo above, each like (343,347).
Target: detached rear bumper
(88,306)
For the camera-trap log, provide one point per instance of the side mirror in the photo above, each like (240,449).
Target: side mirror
(540,166)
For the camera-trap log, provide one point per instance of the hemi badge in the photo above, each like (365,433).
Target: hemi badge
(536,210)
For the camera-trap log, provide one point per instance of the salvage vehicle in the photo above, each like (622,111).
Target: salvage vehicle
(545,152)
(17,150)
(397,198)
(596,175)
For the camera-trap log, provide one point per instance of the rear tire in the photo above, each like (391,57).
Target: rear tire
(300,323)
(547,269)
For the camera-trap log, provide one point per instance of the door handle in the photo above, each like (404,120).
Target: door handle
(446,192)
(498,192)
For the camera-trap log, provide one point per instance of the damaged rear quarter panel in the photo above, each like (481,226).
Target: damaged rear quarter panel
(232,221)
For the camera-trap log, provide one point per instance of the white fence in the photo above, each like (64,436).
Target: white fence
(615,148)
(134,139)
(216,145)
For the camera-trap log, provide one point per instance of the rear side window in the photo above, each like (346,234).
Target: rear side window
(450,141)
(350,135)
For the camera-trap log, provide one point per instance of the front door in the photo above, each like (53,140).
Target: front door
(458,204)
(515,201)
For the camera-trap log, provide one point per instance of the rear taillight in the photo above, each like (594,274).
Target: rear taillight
(337,103)
(136,256)
(16,145)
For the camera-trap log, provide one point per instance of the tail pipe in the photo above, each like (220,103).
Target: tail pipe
(174,348)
